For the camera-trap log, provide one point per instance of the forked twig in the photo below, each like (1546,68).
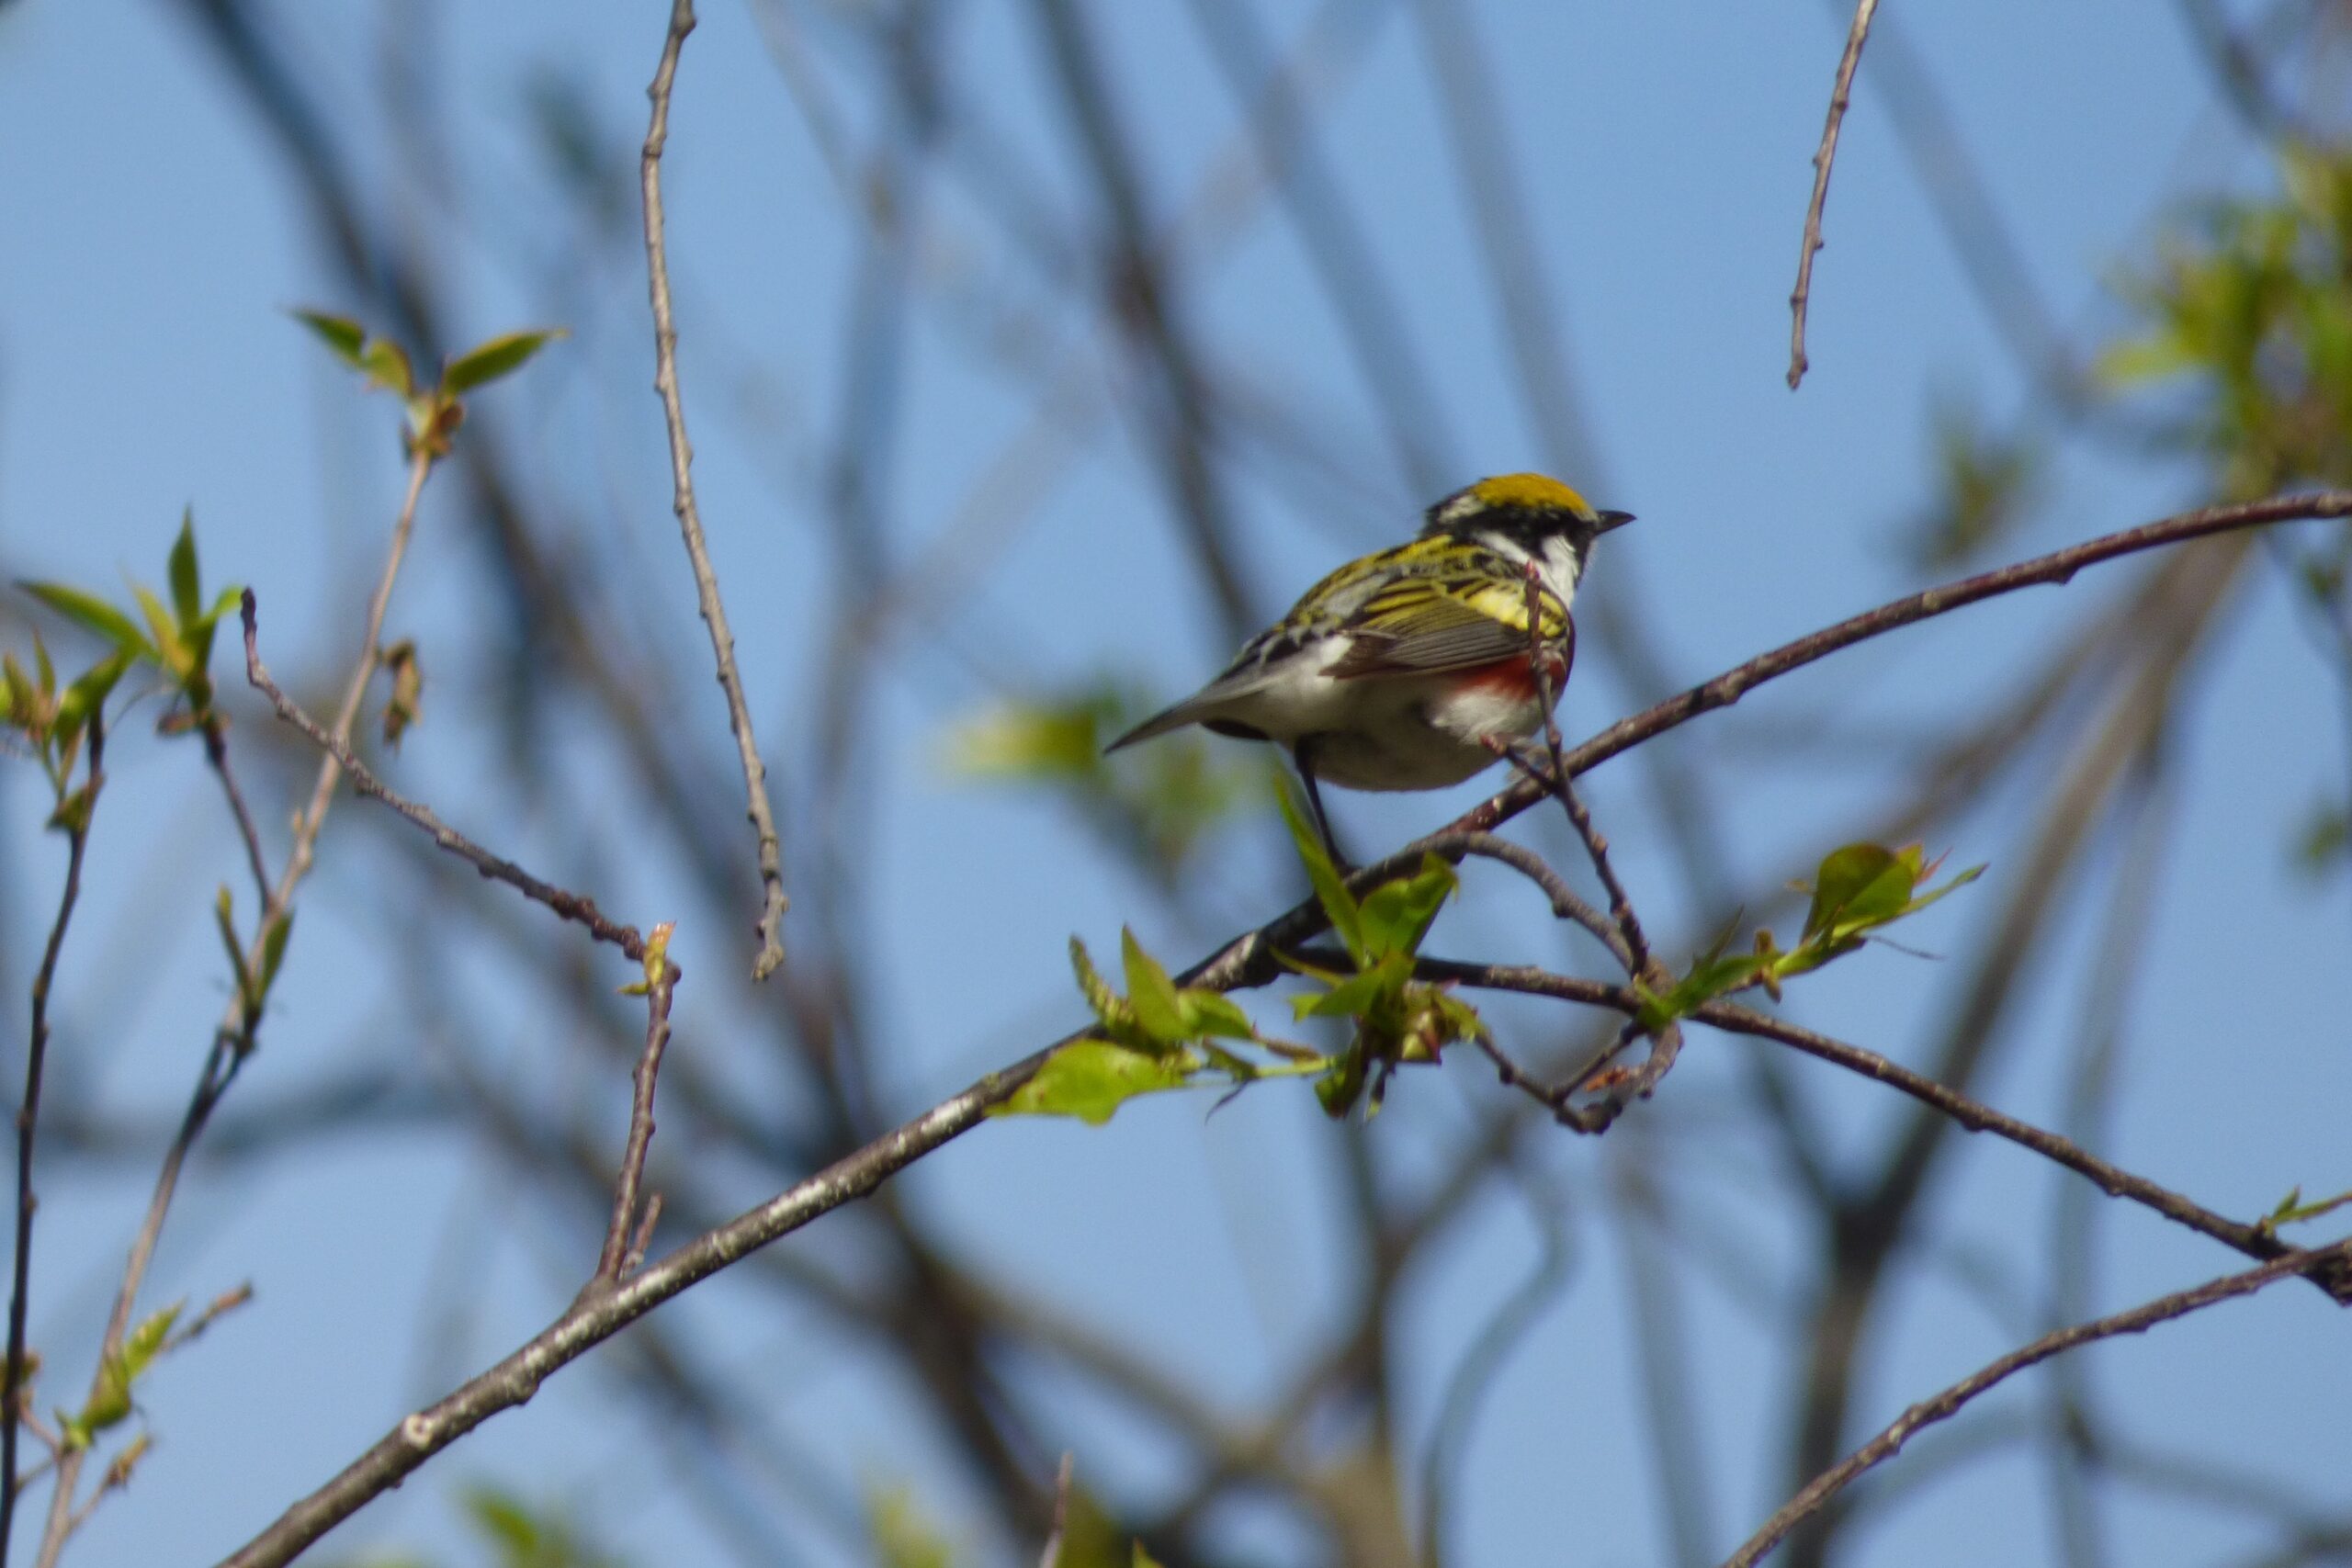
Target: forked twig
(576,906)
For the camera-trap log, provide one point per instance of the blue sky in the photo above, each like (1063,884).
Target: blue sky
(149,250)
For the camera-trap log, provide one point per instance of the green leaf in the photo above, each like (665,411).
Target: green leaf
(500,356)
(273,947)
(1844,876)
(1213,1015)
(1359,995)
(1092,1079)
(2293,1210)
(1151,993)
(72,812)
(1330,890)
(1708,978)
(1029,741)
(1110,1007)
(19,698)
(110,1401)
(1959,881)
(185,594)
(1090,1538)
(343,336)
(89,611)
(2158,356)
(139,1347)
(1397,914)
(90,689)
(1143,1559)
(903,1536)
(166,629)
(1342,1084)
(224,921)
(385,364)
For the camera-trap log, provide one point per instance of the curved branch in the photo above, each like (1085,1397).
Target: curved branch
(590,1323)
(2314,1263)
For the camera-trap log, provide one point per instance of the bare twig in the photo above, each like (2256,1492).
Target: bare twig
(570,906)
(222,1061)
(1621,908)
(641,1243)
(355,691)
(714,614)
(216,1309)
(625,1224)
(77,840)
(1839,95)
(215,729)
(2315,1264)
(1972,1115)
(1051,1557)
(1536,869)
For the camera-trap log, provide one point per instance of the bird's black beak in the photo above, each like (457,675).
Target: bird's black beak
(1611,520)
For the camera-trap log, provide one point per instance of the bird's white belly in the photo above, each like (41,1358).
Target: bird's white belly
(1395,733)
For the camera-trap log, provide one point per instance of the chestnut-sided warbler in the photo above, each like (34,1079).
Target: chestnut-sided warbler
(1413,666)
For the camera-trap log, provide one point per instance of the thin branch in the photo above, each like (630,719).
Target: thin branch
(714,614)
(626,1225)
(1536,869)
(2315,1264)
(1972,1115)
(570,906)
(1839,95)
(354,692)
(1621,908)
(224,1060)
(77,839)
(588,1323)
(215,730)
(1976,1117)
(1051,1557)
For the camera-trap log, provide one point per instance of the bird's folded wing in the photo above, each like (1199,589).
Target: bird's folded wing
(1424,626)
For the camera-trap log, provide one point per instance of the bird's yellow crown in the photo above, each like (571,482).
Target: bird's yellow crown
(1509,492)
(1528,490)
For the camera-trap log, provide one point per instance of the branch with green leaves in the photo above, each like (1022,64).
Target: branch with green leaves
(175,637)
(53,724)
(1253,959)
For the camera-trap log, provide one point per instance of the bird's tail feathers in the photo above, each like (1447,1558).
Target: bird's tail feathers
(1190,711)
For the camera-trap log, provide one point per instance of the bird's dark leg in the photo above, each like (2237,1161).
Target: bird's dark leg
(1302,756)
